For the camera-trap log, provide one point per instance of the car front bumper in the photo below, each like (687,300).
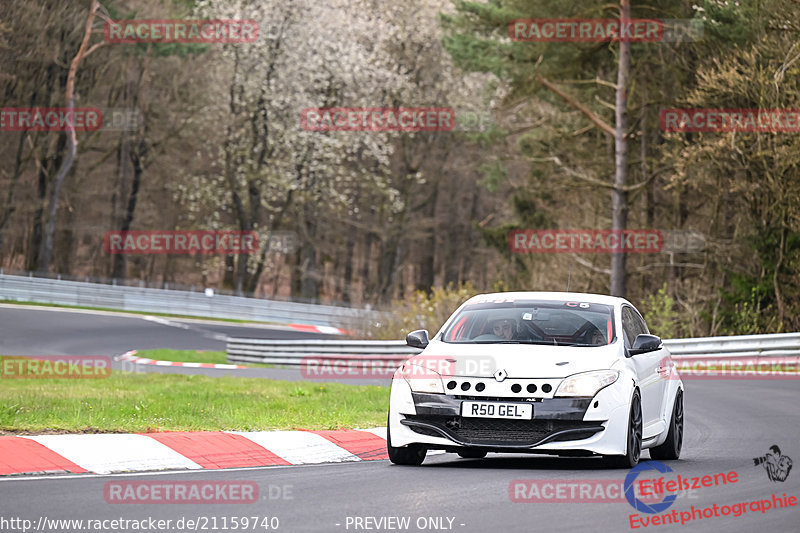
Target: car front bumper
(564,426)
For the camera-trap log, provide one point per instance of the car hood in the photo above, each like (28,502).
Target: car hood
(518,360)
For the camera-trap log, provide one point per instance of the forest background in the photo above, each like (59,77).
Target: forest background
(414,221)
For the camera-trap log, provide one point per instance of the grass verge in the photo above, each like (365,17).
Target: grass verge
(185,356)
(133,403)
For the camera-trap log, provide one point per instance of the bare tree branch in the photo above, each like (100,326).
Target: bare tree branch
(600,123)
(72,145)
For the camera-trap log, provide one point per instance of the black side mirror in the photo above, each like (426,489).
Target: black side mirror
(645,343)
(418,338)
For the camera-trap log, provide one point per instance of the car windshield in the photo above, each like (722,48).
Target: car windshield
(559,323)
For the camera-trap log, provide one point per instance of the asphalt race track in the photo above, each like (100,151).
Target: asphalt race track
(26,330)
(59,331)
(728,423)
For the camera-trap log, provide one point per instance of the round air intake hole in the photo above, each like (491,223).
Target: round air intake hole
(451,385)
(596,404)
(546,387)
(531,388)
(465,386)
(516,387)
(479,387)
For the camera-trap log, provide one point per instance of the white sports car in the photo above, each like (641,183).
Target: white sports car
(565,374)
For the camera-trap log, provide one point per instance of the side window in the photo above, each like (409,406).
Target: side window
(639,324)
(628,327)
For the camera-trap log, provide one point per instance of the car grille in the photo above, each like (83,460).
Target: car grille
(499,398)
(497,431)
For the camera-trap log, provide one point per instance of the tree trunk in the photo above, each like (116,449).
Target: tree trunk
(119,261)
(620,197)
(277,223)
(310,276)
(45,167)
(9,207)
(349,261)
(46,253)
(137,157)
(123,221)
(367,282)
(427,263)
(227,278)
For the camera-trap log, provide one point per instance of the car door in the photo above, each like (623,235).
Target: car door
(661,369)
(646,366)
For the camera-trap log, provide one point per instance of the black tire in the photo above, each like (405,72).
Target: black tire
(633,446)
(469,453)
(671,449)
(411,455)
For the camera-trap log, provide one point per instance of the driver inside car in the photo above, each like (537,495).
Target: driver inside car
(505,328)
(595,337)
(598,339)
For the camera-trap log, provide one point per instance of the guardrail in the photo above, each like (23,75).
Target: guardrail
(771,345)
(293,352)
(339,352)
(150,300)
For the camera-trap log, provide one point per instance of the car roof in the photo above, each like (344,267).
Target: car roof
(546,295)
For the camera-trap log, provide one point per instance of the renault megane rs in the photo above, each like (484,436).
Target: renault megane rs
(565,374)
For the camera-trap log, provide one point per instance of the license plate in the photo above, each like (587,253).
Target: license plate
(517,411)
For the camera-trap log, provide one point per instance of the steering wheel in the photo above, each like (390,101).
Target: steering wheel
(488,337)
(536,330)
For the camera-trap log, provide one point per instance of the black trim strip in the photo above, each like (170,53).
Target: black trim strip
(545,440)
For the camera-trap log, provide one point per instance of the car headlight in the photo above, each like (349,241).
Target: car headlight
(586,384)
(422,379)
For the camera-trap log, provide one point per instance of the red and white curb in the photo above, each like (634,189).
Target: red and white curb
(308,328)
(327,330)
(117,453)
(131,357)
